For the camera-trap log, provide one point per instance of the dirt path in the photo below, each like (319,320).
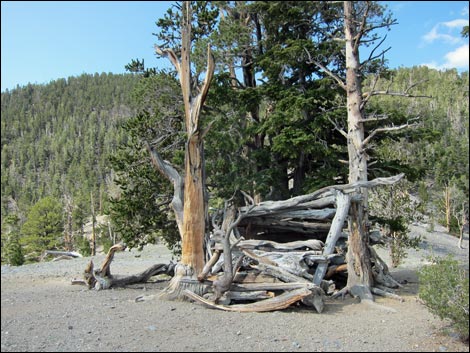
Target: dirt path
(42,311)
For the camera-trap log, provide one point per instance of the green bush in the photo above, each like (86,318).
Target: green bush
(13,251)
(443,287)
(83,246)
(106,242)
(393,208)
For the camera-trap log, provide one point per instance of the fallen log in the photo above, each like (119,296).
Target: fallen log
(304,201)
(277,303)
(277,286)
(246,296)
(102,278)
(292,261)
(292,226)
(253,277)
(267,245)
(144,276)
(60,254)
(280,273)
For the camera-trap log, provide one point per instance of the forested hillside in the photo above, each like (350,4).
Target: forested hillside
(76,146)
(56,141)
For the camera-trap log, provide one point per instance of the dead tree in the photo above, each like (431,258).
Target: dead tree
(188,201)
(357,27)
(103,279)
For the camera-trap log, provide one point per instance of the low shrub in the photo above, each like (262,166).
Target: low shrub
(444,288)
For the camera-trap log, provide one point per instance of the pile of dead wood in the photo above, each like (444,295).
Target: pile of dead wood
(263,274)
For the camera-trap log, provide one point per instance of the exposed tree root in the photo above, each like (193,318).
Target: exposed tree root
(384,293)
(363,293)
(184,279)
(380,271)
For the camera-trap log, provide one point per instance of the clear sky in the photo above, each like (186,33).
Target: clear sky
(46,40)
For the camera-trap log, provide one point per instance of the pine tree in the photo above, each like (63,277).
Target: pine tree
(43,228)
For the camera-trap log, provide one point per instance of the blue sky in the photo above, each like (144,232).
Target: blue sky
(46,40)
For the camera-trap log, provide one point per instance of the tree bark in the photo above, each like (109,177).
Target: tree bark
(194,206)
(359,264)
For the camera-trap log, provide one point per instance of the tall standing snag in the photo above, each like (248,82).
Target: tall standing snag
(189,206)
(357,28)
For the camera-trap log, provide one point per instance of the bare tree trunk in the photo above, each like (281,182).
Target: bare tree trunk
(93,230)
(68,228)
(359,264)
(447,206)
(462,223)
(194,213)
(191,222)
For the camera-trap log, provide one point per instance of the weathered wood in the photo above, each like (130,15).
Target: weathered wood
(248,296)
(386,294)
(105,269)
(91,275)
(267,245)
(292,261)
(102,278)
(280,273)
(315,299)
(223,283)
(243,287)
(321,214)
(342,203)
(381,272)
(62,257)
(141,277)
(254,276)
(287,225)
(208,266)
(310,259)
(277,303)
(326,193)
(61,253)
(170,172)
(332,270)
(192,230)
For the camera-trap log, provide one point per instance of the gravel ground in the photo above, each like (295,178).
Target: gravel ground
(42,311)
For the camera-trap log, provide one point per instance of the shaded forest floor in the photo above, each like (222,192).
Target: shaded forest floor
(42,311)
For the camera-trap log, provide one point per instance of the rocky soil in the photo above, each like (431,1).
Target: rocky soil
(42,311)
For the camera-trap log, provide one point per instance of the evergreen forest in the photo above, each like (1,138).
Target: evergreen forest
(74,149)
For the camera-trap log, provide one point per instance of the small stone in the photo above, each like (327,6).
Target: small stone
(70,327)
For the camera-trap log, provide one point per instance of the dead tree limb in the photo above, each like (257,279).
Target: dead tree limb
(223,283)
(102,278)
(342,204)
